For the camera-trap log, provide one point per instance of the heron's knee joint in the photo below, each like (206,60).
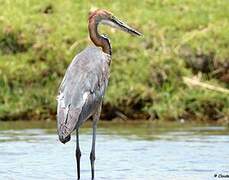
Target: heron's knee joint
(78,153)
(92,156)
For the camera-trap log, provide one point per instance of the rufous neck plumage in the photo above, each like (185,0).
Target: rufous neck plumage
(97,39)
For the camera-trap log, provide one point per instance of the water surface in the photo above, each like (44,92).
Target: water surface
(124,151)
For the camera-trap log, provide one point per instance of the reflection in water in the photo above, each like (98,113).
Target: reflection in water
(123,151)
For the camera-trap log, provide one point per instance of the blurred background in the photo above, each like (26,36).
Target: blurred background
(178,72)
(38,39)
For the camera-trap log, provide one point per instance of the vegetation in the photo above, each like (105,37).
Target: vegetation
(38,39)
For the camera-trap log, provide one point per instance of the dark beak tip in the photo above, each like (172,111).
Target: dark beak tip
(136,33)
(140,34)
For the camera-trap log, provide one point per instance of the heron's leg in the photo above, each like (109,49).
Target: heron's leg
(92,154)
(78,154)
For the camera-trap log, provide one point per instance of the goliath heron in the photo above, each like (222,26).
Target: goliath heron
(83,87)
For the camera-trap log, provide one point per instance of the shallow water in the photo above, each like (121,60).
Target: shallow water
(124,151)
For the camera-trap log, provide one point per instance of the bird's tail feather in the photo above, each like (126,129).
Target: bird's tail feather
(67,120)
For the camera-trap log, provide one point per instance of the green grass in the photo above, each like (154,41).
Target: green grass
(38,39)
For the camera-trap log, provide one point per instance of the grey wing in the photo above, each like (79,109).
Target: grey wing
(80,94)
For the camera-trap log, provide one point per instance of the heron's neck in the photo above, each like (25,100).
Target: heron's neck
(98,39)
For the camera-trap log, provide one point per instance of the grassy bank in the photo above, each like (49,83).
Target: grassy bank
(38,39)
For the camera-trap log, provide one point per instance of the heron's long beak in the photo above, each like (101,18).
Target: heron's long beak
(116,23)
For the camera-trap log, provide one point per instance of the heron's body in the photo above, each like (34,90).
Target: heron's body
(83,87)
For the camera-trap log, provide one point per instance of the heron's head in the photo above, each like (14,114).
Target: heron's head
(107,18)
